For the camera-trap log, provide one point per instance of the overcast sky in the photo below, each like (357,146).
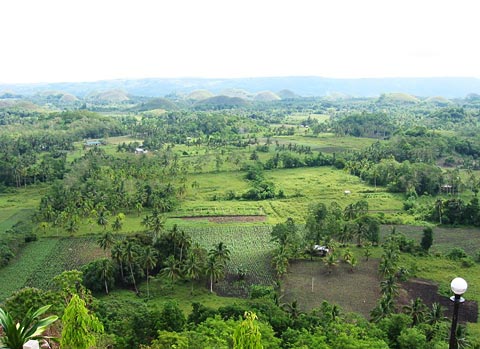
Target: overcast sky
(88,40)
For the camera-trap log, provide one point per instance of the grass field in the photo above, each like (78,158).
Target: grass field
(19,205)
(444,238)
(326,142)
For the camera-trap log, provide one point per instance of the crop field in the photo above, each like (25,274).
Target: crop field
(15,275)
(39,261)
(250,249)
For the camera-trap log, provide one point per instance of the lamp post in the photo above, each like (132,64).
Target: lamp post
(458,286)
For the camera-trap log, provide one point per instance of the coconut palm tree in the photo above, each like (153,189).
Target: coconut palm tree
(105,241)
(353,261)
(193,268)
(331,262)
(106,272)
(436,314)
(149,261)
(171,269)
(292,309)
(389,286)
(117,255)
(220,252)
(214,269)
(184,242)
(130,255)
(280,260)
(416,309)
(102,218)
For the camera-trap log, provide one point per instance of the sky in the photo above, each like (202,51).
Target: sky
(90,40)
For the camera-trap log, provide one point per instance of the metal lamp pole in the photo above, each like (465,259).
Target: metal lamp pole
(458,286)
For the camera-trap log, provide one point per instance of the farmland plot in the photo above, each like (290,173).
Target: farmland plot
(250,249)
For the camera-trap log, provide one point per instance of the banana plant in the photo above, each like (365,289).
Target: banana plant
(15,335)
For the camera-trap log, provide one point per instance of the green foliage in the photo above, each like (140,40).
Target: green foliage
(98,275)
(412,338)
(79,326)
(247,335)
(16,334)
(171,318)
(427,239)
(456,254)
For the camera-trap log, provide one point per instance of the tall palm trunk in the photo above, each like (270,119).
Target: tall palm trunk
(105,281)
(133,278)
(148,288)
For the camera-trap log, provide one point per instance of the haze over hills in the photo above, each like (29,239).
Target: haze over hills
(303,86)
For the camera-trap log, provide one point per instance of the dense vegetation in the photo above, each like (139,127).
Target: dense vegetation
(144,201)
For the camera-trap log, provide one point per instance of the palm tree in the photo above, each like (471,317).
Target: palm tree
(436,314)
(214,269)
(280,260)
(353,261)
(117,255)
(292,309)
(72,225)
(184,242)
(171,269)
(15,335)
(155,223)
(384,307)
(416,309)
(105,241)
(220,252)
(367,252)
(102,218)
(389,286)
(439,207)
(347,255)
(118,222)
(106,272)
(331,262)
(130,255)
(149,261)
(192,268)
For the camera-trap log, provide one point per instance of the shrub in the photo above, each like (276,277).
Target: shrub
(456,254)
(467,262)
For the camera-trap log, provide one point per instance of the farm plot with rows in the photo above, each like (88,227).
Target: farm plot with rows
(250,249)
(40,261)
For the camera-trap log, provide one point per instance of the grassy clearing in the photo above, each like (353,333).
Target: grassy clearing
(161,292)
(297,118)
(326,142)
(444,238)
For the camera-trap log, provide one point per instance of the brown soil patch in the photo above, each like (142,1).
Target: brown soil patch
(355,291)
(227,219)
(428,292)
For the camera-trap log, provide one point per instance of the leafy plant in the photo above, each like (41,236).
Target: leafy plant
(15,335)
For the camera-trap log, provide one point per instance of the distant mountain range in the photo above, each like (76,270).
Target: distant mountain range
(304,86)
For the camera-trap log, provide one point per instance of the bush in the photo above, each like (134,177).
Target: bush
(467,262)
(259,291)
(6,254)
(456,254)
(30,237)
